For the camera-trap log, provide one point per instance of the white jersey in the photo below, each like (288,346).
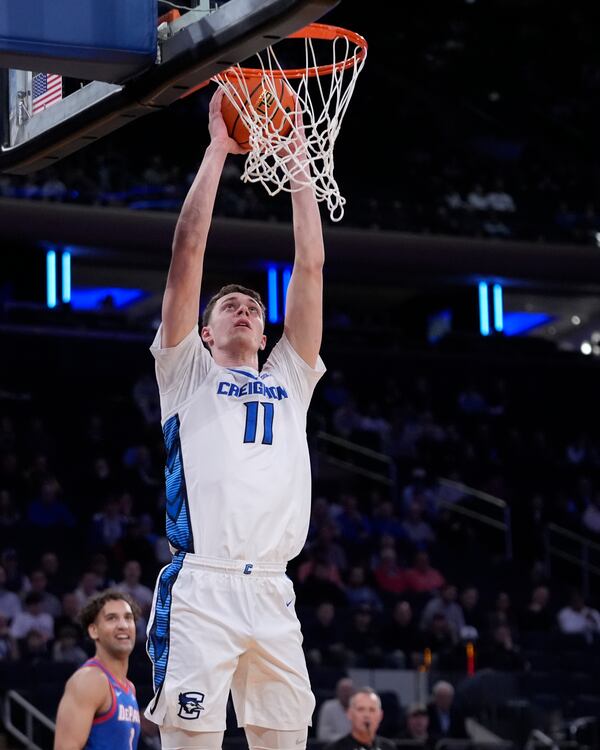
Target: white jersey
(238,476)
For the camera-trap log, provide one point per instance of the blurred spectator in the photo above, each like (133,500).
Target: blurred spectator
(10,604)
(8,645)
(417,529)
(499,199)
(318,587)
(401,638)
(438,637)
(89,584)
(362,641)
(70,616)
(323,638)
(66,647)
(358,591)
(500,652)
(416,726)
(33,647)
(445,603)
(445,719)
(132,573)
(50,603)
(502,613)
(537,616)
(591,516)
(333,721)
(109,526)
(422,577)
(471,608)
(32,618)
(48,510)
(389,575)
(579,619)
(51,567)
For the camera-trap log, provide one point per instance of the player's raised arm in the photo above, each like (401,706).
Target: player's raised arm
(304,306)
(181,299)
(86,694)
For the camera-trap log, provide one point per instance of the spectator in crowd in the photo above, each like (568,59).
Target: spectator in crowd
(39,583)
(318,587)
(502,613)
(400,637)
(389,575)
(537,616)
(89,584)
(8,645)
(359,592)
(417,529)
(47,510)
(471,608)
(32,618)
(10,604)
(51,567)
(323,638)
(500,651)
(591,516)
(445,719)
(333,721)
(70,615)
(361,639)
(423,577)
(577,618)
(445,603)
(416,726)
(365,714)
(34,647)
(438,637)
(108,526)
(66,647)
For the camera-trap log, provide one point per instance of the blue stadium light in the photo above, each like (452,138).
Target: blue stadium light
(66,277)
(51,278)
(498,309)
(520,322)
(272,300)
(287,275)
(484,309)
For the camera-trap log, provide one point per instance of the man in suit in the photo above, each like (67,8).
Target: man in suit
(445,719)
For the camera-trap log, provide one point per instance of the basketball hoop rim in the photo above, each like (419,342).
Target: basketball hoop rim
(323,31)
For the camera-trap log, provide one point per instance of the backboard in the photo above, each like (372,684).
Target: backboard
(45,116)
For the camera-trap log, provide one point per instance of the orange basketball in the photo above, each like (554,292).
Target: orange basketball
(269,108)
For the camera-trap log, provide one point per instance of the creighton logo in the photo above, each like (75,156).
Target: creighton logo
(190,705)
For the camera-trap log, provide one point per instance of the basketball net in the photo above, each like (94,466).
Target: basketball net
(303,156)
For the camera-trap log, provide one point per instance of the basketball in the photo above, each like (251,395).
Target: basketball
(252,95)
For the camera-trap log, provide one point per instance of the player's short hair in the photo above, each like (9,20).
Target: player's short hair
(231,289)
(92,608)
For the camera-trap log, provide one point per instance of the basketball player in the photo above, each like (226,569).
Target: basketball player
(98,709)
(238,486)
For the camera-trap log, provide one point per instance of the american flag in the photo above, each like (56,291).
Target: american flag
(46,89)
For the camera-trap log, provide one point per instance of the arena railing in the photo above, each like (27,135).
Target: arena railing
(574,549)
(26,735)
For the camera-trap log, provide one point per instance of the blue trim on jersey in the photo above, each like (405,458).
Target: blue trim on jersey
(269,414)
(251,417)
(244,372)
(158,641)
(179,529)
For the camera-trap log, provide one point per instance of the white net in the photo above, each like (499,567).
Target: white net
(322,93)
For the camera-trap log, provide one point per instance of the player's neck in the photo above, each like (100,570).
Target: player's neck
(235,358)
(116,666)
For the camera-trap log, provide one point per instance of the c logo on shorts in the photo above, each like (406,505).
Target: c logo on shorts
(190,705)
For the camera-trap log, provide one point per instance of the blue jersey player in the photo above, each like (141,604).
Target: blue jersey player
(98,709)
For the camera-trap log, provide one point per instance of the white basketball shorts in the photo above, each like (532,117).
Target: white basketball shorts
(220,625)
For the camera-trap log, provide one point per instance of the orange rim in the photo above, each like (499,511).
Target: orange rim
(312,31)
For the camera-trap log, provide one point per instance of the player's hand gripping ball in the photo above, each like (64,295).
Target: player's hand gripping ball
(276,113)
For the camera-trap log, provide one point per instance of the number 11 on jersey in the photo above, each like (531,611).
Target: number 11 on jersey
(268,411)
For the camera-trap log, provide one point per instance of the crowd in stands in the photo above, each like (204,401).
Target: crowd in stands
(509,154)
(390,577)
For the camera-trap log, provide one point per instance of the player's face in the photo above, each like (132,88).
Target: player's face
(364,712)
(114,628)
(236,320)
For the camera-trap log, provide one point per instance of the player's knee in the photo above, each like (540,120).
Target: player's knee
(173,738)
(260,738)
